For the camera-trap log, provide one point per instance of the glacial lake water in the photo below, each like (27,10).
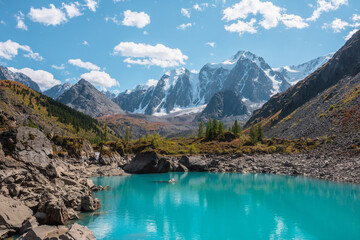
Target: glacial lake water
(225,206)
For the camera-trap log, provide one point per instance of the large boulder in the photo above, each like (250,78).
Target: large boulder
(27,144)
(13,214)
(45,232)
(90,204)
(111,158)
(150,162)
(196,164)
(52,211)
(78,232)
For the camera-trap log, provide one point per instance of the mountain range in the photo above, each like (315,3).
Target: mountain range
(7,74)
(326,103)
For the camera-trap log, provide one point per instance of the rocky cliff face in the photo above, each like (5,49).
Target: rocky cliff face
(245,73)
(224,104)
(326,103)
(85,98)
(57,90)
(6,74)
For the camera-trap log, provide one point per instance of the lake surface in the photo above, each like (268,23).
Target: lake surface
(225,206)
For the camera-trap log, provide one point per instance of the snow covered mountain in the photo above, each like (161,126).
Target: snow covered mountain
(293,74)
(7,74)
(248,75)
(57,90)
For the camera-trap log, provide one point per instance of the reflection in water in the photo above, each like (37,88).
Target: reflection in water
(225,206)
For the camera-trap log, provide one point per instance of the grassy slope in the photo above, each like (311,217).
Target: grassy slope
(31,108)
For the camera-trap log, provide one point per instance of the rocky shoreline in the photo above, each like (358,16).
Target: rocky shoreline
(40,190)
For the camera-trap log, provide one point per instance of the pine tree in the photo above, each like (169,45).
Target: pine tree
(215,128)
(221,133)
(201,129)
(127,136)
(253,135)
(209,131)
(260,132)
(236,129)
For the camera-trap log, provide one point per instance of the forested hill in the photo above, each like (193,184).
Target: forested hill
(20,105)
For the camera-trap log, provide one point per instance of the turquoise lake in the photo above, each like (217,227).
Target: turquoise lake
(225,206)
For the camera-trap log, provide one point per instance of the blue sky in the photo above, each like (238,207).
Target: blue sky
(117,44)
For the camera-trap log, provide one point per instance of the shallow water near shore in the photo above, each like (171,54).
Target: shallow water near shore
(225,206)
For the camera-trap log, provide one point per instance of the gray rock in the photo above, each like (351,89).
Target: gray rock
(54,209)
(27,144)
(45,232)
(78,232)
(90,204)
(194,163)
(29,224)
(2,154)
(13,214)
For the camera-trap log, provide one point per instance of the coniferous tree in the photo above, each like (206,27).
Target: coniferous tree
(236,129)
(215,128)
(127,135)
(253,134)
(201,129)
(221,133)
(260,132)
(209,130)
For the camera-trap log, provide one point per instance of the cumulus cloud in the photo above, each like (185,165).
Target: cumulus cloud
(20,21)
(336,25)
(350,34)
(271,14)
(61,67)
(356,17)
(185,12)
(92,4)
(10,49)
(135,19)
(72,9)
(85,43)
(44,79)
(184,26)
(86,65)
(100,79)
(2,22)
(326,6)
(47,16)
(211,44)
(149,55)
(200,7)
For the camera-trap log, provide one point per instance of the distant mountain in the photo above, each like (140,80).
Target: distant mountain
(248,75)
(109,95)
(57,90)
(326,103)
(293,74)
(6,74)
(85,98)
(224,104)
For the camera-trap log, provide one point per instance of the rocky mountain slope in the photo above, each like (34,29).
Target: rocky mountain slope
(224,104)
(245,73)
(57,90)
(85,98)
(295,73)
(6,74)
(22,106)
(326,103)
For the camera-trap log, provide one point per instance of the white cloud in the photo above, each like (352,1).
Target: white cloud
(86,65)
(294,21)
(47,16)
(92,4)
(242,27)
(44,79)
(350,34)
(185,12)
(149,55)
(2,22)
(145,33)
(85,43)
(356,17)
(211,44)
(271,14)
(72,9)
(20,21)
(326,6)
(136,19)
(10,49)
(184,26)
(100,79)
(152,82)
(336,25)
(200,7)
(61,67)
